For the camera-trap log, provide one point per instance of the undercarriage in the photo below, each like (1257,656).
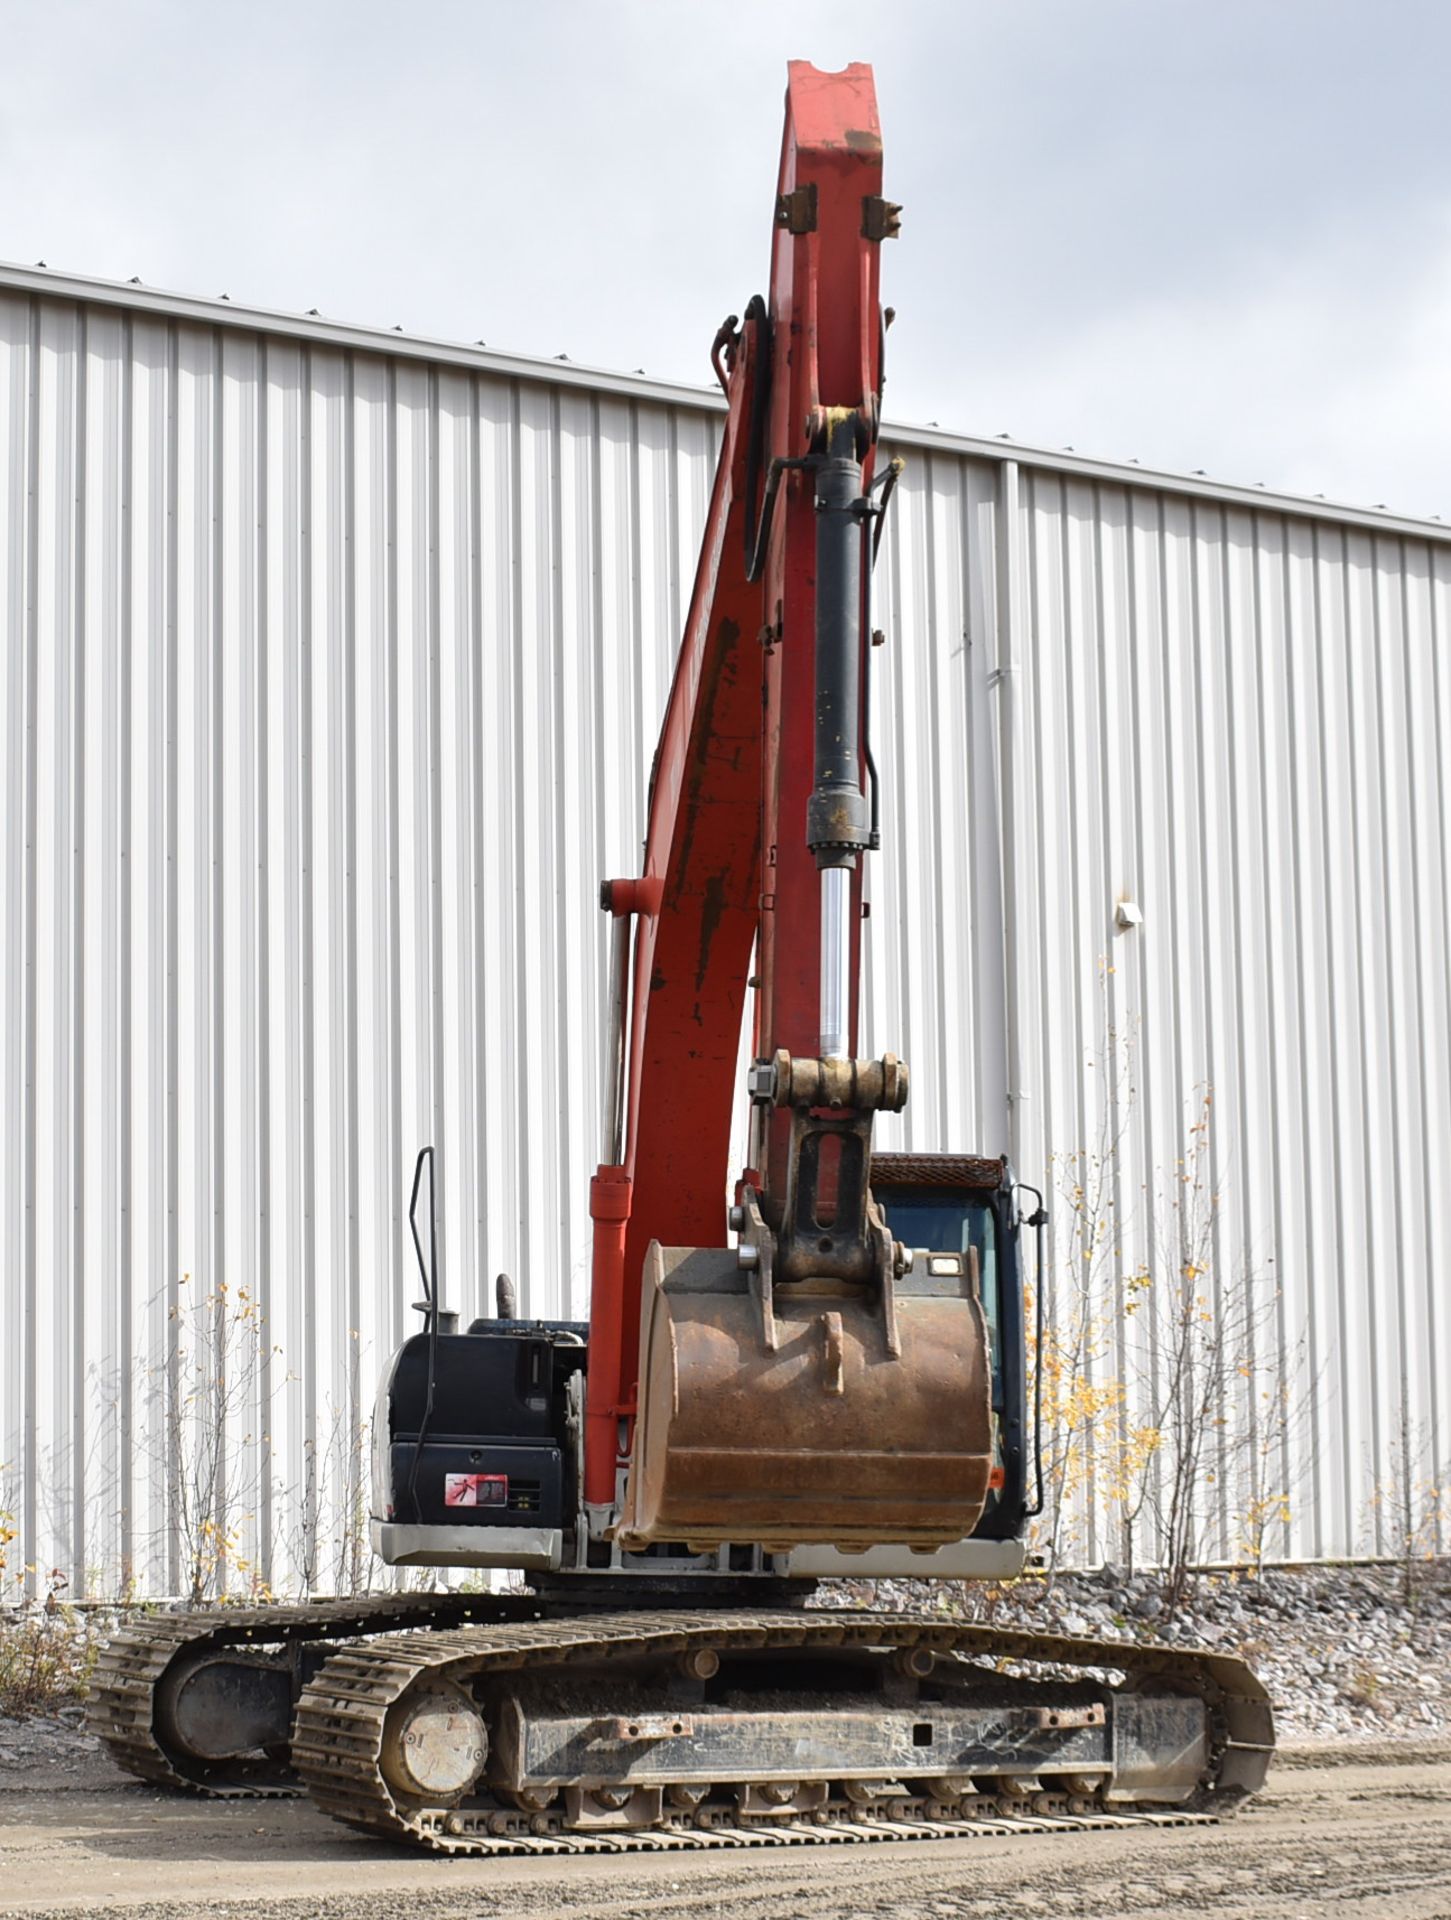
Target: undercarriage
(488,1724)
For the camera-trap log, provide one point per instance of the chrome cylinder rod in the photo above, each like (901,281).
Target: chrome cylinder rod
(614,1114)
(835,961)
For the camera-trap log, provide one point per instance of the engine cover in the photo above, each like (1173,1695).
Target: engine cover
(471,1433)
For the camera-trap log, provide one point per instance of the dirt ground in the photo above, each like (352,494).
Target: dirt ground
(1361,1835)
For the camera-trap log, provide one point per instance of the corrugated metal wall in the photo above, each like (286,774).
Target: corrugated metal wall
(331,682)
(1240,721)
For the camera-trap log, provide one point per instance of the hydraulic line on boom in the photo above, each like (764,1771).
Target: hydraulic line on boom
(837,829)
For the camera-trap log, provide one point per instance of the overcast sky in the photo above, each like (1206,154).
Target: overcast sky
(1205,233)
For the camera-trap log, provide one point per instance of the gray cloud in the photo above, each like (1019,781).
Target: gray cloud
(1212,236)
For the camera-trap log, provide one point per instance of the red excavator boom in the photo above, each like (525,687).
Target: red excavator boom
(802,1387)
(726,854)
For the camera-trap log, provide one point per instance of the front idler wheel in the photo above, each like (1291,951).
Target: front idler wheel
(434,1745)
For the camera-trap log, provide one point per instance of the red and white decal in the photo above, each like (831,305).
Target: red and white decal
(475,1489)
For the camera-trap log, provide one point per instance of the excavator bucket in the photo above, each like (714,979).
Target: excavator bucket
(821,1413)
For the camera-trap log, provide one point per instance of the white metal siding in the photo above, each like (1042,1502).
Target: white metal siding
(1240,721)
(331,679)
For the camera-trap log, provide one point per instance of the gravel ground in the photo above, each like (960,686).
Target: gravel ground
(40,1744)
(1342,1654)
(1362,1842)
(1356,1819)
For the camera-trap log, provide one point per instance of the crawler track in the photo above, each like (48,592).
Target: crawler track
(132,1665)
(341,1717)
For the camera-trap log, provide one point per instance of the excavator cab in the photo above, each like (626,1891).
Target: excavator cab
(968,1205)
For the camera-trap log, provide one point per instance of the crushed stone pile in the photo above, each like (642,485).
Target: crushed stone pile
(1345,1654)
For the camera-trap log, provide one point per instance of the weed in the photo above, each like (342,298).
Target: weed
(1363,1689)
(46,1655)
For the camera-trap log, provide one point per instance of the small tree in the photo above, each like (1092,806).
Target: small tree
(329,1543)
(1222,1401)
(1206,1419)
(203,1400)
(1082,1396)
(1408,1505)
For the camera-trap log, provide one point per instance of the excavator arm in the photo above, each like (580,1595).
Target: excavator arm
(803,1386)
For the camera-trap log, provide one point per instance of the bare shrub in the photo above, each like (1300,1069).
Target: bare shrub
(1409,1508)
(1169,1409)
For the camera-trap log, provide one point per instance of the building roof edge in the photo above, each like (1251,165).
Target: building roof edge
(132,295)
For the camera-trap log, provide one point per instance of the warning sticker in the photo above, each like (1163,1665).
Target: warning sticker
(475,1489)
